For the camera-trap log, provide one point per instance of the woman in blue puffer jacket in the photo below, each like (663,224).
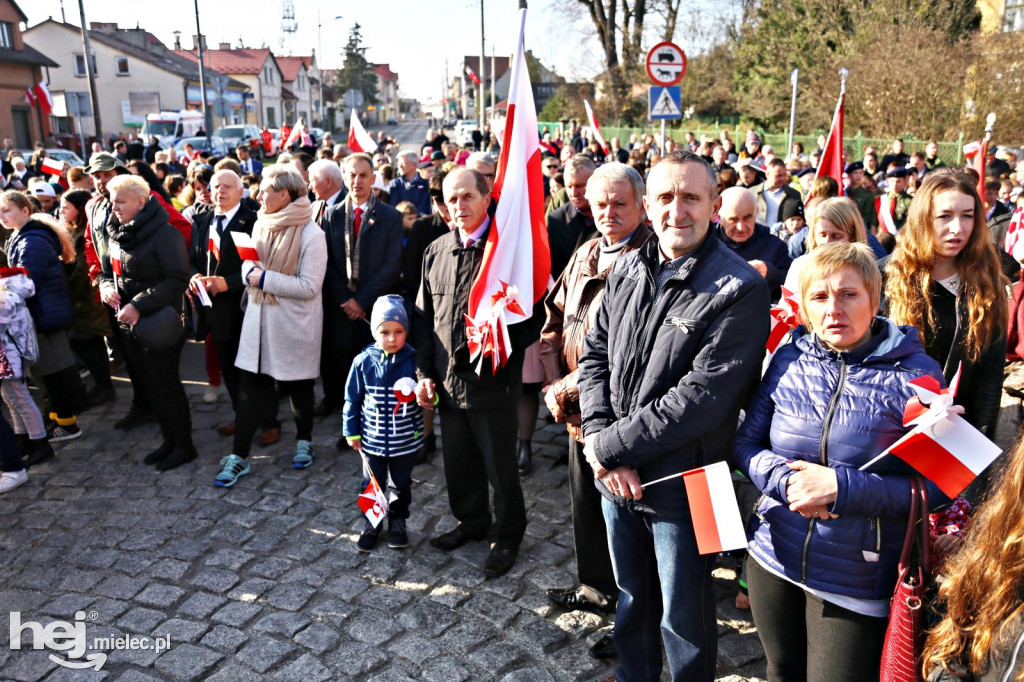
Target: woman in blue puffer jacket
(827,536)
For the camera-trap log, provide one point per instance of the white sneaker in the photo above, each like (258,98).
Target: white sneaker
(9,480)
(211,395)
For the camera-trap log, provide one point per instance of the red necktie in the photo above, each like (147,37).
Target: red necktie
(356,222)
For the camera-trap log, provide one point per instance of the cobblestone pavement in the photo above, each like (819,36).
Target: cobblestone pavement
(263,581)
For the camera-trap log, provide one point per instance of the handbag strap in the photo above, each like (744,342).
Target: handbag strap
(924,541)
(912,522)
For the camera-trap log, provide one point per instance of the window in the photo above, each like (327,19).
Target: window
(1013,15)
(80,64)
(122,66)
(6,34)
(271,119)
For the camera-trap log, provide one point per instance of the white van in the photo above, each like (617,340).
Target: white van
(171,126)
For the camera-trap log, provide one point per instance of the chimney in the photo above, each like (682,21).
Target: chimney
(195,41)
(177,40)
(103,27)
(225,46)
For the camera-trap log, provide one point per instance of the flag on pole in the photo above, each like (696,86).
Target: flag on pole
(42,94)
(978,164)
(785,316)
(358,139)
(713,509)
(831,163)
(245,245)
(294,133)
(374,502)
(595,126)
(517,260)
(51,166)
(472,76)
(30,97)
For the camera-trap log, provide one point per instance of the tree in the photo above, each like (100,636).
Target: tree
(357,73)
(618,22)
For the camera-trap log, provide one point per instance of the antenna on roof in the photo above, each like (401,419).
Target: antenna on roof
(288,26)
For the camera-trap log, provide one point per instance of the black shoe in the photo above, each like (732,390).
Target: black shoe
(398,537)
(161,453)
(24,444)
(177,458)
(577,600)
(135,417)
(525,462)
(456,538)
(603,648)
(500,561)
(40,451)
(368,538)
(324,409)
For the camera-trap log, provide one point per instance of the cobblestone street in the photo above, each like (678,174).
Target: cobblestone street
(263,580)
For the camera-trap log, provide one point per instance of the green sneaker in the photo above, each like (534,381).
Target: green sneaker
(303,454)
(233,468)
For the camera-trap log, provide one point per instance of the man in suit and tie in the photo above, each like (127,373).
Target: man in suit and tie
(245,160)
(326,184)
(364,262)
(217,268)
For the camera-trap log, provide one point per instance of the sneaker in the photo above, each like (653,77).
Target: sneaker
(233,468)
(303,454)
(40,450)
(211,395)
(368,538)
(59,434)
(9,480)
(397,535)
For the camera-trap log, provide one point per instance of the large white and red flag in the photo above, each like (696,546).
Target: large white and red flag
(942,446)
(831,162)
(595,126)
(42,94)
(472,75)
(358,139)
(517,260)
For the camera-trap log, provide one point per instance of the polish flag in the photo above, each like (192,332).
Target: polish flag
(115,257)
(246,246)
(472,76)
(883,208)
(831,162)
(1014,230)
(214,246)
(293,133)
(51,166)
(785,316)
(374,502)
(593,124)
(30,97)
(358,139)
(42,94)
(714,510)
(517,260)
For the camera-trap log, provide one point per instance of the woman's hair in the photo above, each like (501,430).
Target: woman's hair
(173,184)
(147,174)
(842,213)
(908,275)
(981,592)
(829,258)
(36,156)
(78,198)
(406,208)
(824,188)
(132,184)
(727,177)
(161,167)
(201,173)
(20,200)
(286,177)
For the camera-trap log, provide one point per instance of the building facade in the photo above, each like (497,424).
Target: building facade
(22,67)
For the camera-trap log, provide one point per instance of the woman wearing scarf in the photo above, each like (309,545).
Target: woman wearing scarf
(283,318)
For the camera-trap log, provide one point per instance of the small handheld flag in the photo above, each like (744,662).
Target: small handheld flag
(374,502)
(52,166)
(785,316)
(246,246)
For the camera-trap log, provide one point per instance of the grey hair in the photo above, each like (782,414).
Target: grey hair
(132,184)
(579,162)
(618,172)
(327,169)
(680,156)
(481,157)
(234,178)
(407,154)
(286,177)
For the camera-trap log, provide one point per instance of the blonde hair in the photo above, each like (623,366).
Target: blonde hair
(908,275)
(842,213)
(132,184)
(830,258)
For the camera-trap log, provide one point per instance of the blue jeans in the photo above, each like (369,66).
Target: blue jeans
(663,583)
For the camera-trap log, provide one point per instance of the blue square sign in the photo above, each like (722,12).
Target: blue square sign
(664,103)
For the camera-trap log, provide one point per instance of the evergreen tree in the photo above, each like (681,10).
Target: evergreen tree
(357,73)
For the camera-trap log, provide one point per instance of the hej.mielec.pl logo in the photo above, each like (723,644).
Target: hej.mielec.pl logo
(71,640)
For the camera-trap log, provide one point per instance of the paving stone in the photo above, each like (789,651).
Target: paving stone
(372,627)
(262,653)
(318,638)
(224,639)
(250,590)
(188,662)
(393,673)
(230,558)
(537,633)
(428,617)
(467,635)
(185,549)
(169,569)
(237,614)
(80,581)
(533,674)
(496,656)
(201,605)
(136,676)
(355,659)
(282,623)
(66,605)
(160,596)
(346,586)
(385,598)
(333,612)
(493,608)
(232,671)
(415,648)
(140,620)
(271,567)
(290,596)
(736,651)
(445,669)
(217,580)
(181,630)
(305,668)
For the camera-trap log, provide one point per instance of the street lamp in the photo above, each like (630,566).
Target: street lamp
(320,49)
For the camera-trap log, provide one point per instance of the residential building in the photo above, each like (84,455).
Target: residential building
(387,95)
(463,91)
(300,89)
(22,68)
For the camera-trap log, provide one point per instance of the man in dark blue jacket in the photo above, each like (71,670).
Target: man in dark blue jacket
(678,339)
(410,185)
(751,241)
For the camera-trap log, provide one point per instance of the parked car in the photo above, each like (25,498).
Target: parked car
(217,145)
(66,155)
(392,121)
(464,132)
(242,134)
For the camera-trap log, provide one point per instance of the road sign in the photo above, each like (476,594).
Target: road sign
(665,64)
(664,103)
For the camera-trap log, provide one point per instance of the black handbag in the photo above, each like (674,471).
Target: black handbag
(160,330)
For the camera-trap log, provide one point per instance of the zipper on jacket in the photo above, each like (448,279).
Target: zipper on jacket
(876,525)
(826,428)
(628,377)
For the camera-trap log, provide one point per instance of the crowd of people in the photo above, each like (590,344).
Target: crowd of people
(650,346)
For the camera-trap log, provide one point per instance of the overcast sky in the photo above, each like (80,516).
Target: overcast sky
(414,36)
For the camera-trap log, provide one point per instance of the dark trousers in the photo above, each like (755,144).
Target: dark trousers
(480,448)
(10,454)
(157,371)
(334,368)
(257,394)
(65,392)
(227,349)
(140,400)
(93,353)
(808,639)
(399,469)
(590,535)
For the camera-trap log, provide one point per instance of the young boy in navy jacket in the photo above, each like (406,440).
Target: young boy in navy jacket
(381,418)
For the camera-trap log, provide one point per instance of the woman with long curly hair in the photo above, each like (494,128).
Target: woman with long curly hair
(981,635)
(944,278)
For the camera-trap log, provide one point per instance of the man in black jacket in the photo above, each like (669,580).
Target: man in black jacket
(572,225)
(752,242)
(678,339)
(478,410)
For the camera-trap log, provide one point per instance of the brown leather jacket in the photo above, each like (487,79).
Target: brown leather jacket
(571,308)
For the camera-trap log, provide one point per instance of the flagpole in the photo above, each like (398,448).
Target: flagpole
(482,88)
(664,478)
(794,78)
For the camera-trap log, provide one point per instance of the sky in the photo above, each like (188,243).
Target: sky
(414,36)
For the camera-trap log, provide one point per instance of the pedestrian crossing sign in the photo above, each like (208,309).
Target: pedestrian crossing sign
(664,103)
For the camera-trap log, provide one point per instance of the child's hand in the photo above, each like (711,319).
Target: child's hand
(946,546)
(355,443)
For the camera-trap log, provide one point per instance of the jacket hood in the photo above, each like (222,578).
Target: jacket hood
(38,230)
(18,281)
(149,220)
(890,342)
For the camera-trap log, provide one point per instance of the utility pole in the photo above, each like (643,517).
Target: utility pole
(483,76)
(88,72)
(494,97)
(202,79)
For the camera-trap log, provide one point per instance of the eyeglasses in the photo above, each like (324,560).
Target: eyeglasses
(551,166)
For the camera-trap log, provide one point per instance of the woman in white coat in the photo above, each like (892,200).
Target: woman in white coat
(283,318)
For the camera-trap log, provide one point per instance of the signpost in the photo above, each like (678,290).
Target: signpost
(666,66)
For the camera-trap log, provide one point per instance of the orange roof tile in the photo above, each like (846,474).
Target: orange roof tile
(243,60)
(290,67)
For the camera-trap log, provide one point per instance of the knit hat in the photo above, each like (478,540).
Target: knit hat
(389,308)
(791,209)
